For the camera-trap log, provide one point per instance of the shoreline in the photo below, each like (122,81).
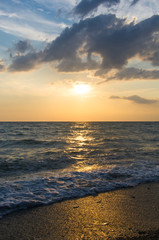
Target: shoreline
(131,213)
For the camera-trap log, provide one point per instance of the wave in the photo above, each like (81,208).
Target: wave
(49,188)
(29,143)
(20,166)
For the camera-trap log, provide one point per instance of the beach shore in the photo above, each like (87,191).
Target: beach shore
(131,213)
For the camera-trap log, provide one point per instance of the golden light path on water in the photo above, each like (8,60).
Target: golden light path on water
(80,142)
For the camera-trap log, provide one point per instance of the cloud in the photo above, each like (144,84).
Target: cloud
(24,57)
(115,97)
(134,2)
(24,20)
(107,36)
(24,62)
(101,43)
(136,99)
(86,6)
(24,30)
(2,66)
(56,4)
(135,74)
(9,15)
(22,47)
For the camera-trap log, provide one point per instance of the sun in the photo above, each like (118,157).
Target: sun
(81,88)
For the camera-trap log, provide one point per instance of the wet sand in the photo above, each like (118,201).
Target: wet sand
(122,214)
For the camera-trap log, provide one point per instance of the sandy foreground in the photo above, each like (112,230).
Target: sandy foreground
(123,214)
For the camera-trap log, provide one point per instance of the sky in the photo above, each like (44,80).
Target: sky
(79,60)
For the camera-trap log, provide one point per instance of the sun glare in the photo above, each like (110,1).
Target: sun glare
(81,89)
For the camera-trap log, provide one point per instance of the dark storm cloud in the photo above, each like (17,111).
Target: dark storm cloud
(136,99)
(135,73)
(86,6)
(101,43)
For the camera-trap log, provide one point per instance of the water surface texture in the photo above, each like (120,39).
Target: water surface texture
(42,163)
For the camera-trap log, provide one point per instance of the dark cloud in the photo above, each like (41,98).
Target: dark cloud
(59,12)
(109,37)
(136,99)
(134,2)
(101,43)
(24,57)
(86,6)
(23,46)
(135,73)
(153,57)
(24,62)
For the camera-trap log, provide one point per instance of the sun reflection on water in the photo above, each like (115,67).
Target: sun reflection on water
(80,143)
(80,136)
(80,140)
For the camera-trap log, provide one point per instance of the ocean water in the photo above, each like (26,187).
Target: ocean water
(42,163)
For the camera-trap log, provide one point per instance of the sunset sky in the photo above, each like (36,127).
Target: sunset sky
(72,60)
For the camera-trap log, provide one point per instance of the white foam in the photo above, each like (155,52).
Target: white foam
(48,188)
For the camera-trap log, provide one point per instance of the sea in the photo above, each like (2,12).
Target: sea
(47,162)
